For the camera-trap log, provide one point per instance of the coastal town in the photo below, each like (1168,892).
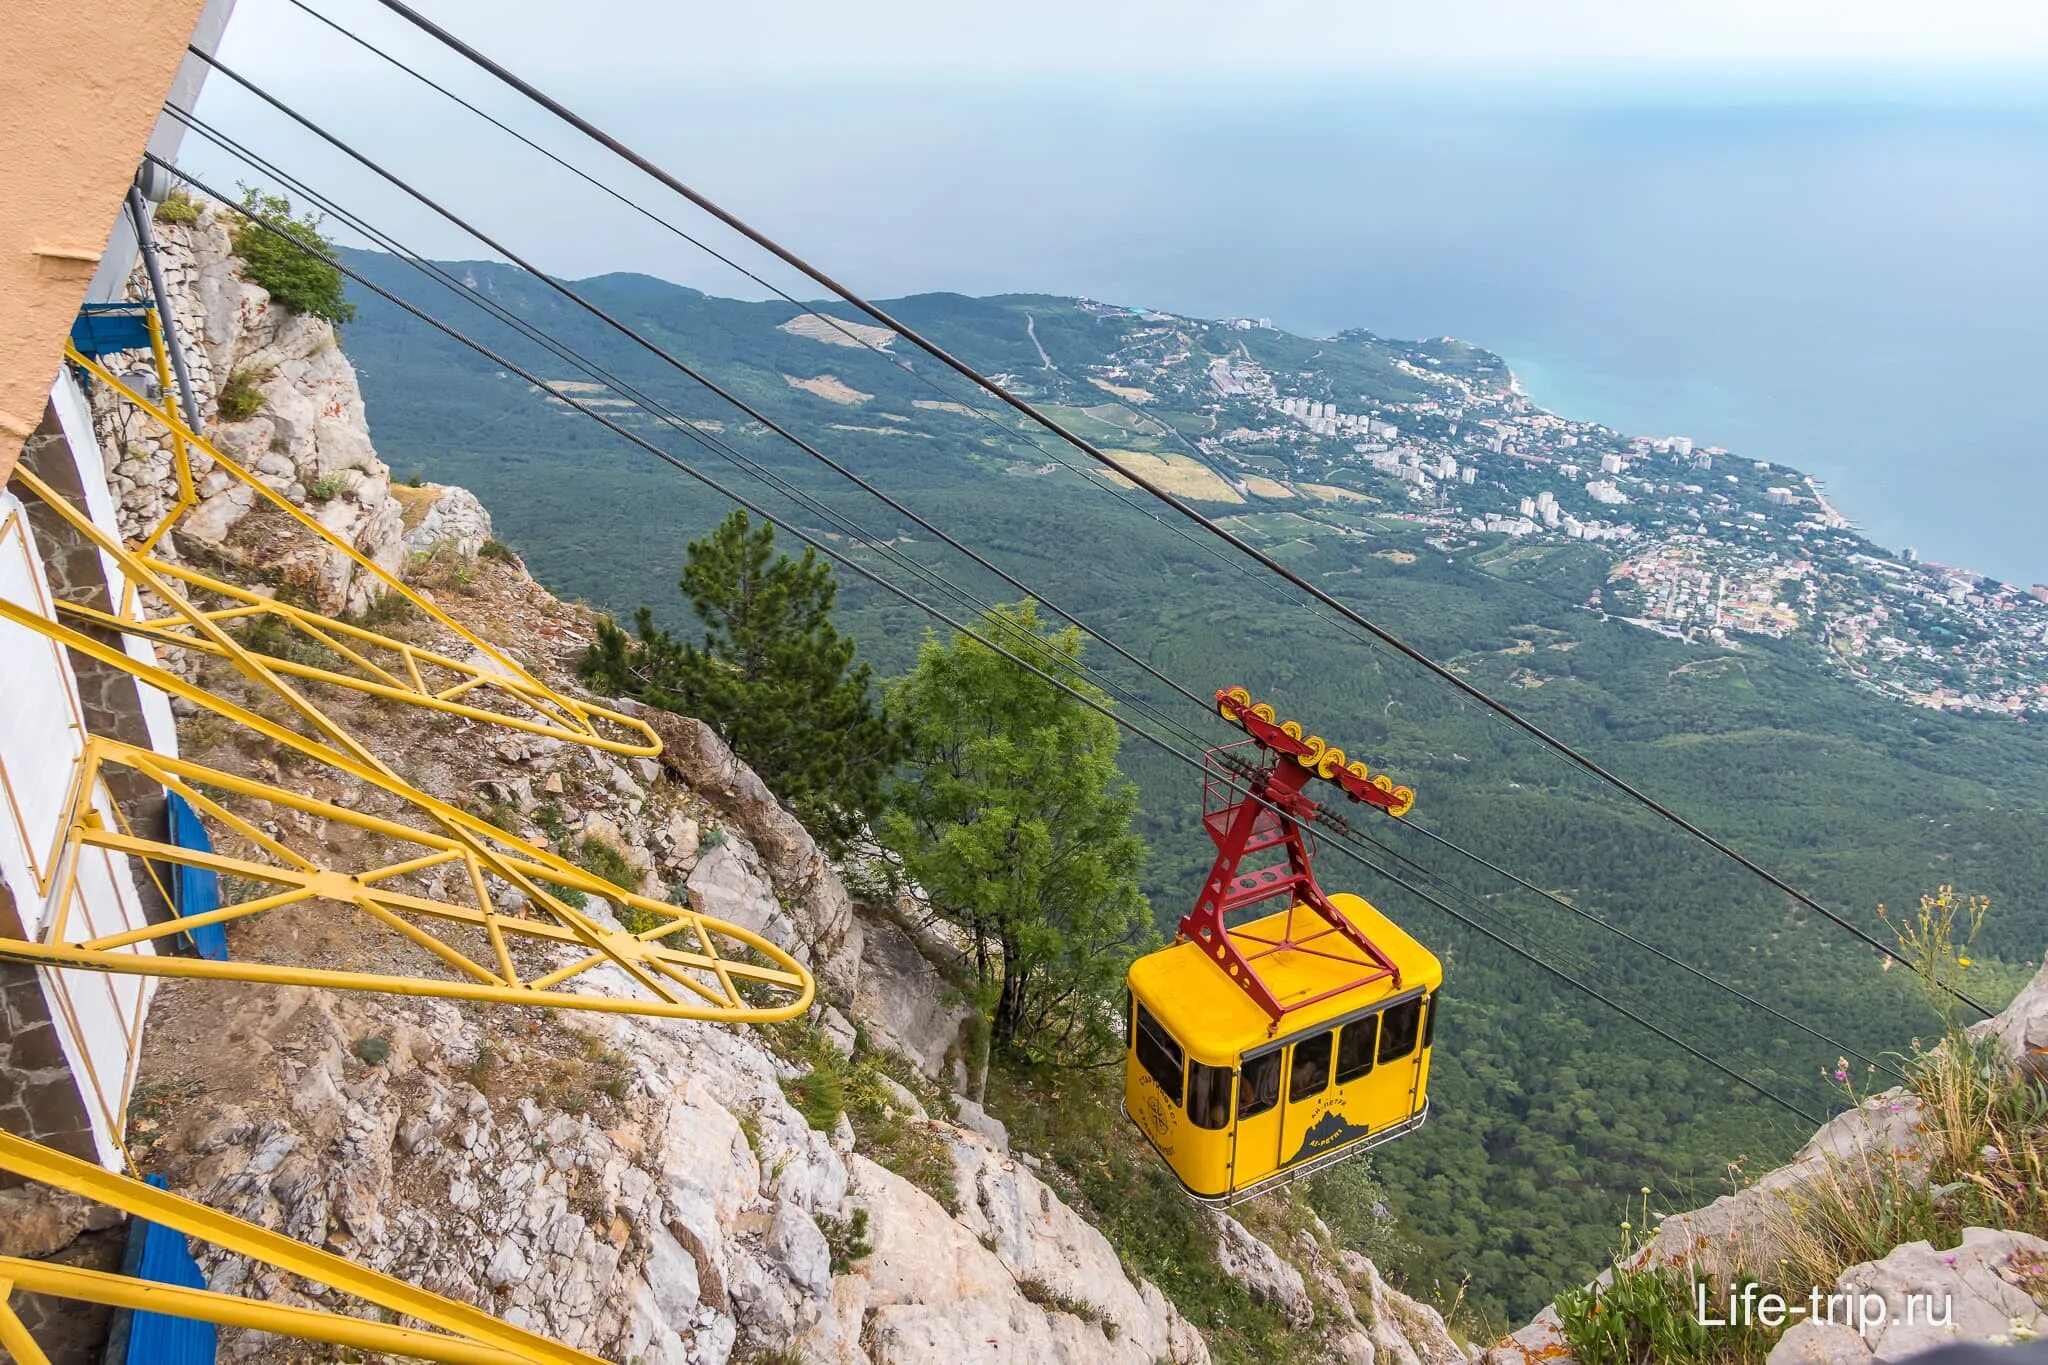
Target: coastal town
(1704,546)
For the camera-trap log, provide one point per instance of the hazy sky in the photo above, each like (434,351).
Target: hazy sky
(1192,37)
(1757,222)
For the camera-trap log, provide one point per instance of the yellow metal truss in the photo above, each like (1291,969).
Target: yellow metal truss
(677,963)
(787,985)
(181,460)
(708,969)
(351,656)
(674,962)
(466,1335)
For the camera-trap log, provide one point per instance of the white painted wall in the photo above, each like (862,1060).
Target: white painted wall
(42,741)
(74,415)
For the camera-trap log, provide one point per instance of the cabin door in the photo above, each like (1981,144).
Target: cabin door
(1310,1106)
(1255,1145)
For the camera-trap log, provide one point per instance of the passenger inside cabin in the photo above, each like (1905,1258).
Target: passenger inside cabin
(1260,1084)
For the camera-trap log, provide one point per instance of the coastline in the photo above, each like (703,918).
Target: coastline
(1527,377)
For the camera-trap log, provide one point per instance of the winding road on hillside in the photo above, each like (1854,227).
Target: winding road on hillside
(1031,330)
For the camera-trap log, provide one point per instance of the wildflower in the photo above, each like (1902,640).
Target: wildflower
(1646,1189)
(1962,962)
(1949,1260)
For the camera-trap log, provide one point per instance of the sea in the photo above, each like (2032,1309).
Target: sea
(1848,277)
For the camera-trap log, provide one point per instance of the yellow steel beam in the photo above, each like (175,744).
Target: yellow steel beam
(483,1337)
(578,719)
(323,885)
(341,747)
(344,751)
(716,973)
(656,971)
(411,689)
(165,769)
(229,1310)
(14,1333)
(181,461)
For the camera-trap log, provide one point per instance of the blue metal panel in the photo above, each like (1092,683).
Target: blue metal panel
(196,889)
(103,328)
(158,1338)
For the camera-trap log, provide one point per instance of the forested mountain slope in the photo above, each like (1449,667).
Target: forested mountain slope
(1548,1106)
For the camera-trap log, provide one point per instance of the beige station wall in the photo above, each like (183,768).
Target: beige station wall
(81,86)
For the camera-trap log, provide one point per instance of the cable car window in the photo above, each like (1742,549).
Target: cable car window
(1259,1085)
(1209,1095)
(1354,1047)
(1311,1067)
(1429,1021)
(1159,1054)
(1397,1035)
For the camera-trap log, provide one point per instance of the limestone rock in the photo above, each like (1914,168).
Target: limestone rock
(722,885)
(838,1030)
(1744,1231)
(671,1276)
(684,836)
(606,830)
(1917,1298)
(936,1293)
(818,899)
(452,519)
(905,1000)
(310,435)
(1262,1270)
(2021,1028)
(1401,1331)
(1542,1340)
(1971,1293)
(1819,1343)
(640,1189)
(36,1222)
(800,1248)
(972,1115)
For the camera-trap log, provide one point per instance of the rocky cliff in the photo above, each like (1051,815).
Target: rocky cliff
(1893,1151)
(294,416)
(653,1191)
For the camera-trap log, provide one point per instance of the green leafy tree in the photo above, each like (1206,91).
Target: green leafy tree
(294,279)
(772,674)
(1013,816)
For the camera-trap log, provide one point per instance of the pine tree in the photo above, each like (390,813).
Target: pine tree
(294,279)
(772,675)
(1012,815)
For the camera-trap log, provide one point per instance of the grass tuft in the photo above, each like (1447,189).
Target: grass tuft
(242,397)
(177,210)
(847,1237)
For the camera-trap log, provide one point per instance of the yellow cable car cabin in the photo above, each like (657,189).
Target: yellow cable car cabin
(1265,1050)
